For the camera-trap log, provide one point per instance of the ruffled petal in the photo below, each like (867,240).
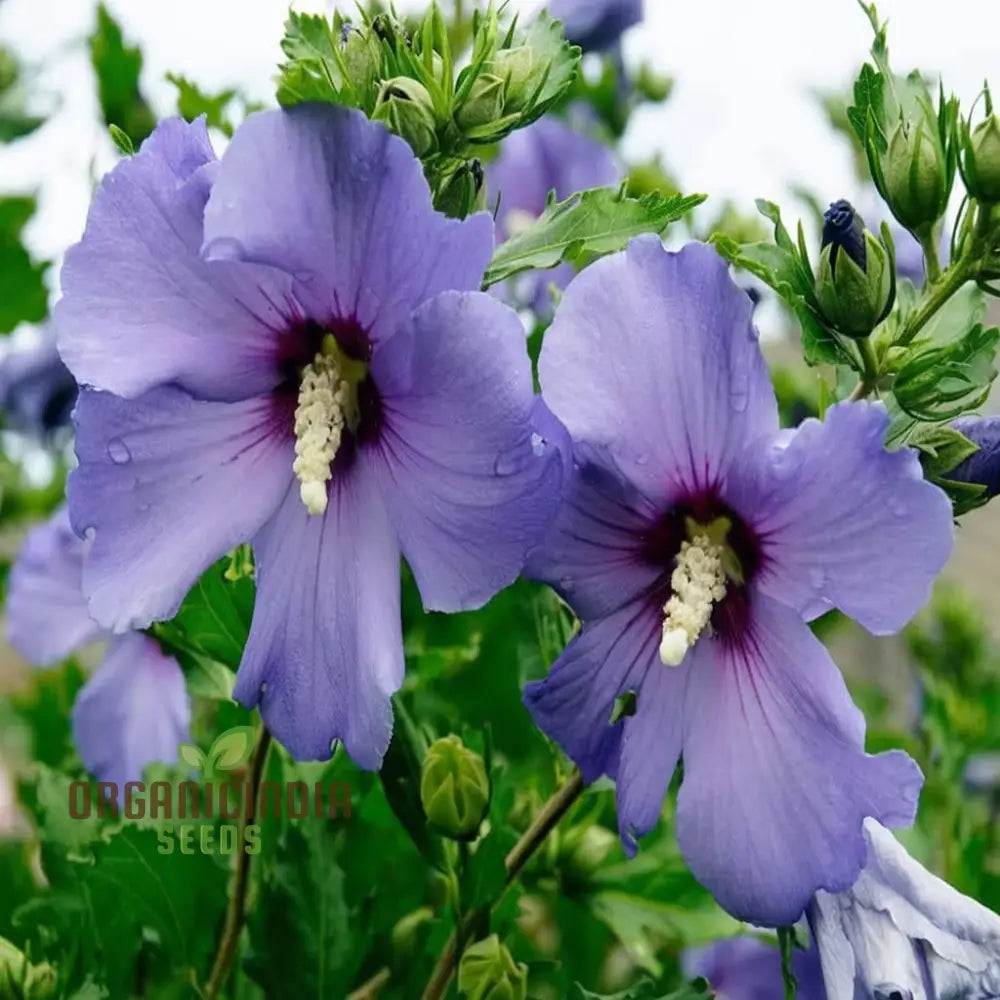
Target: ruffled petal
(592,554)
(46,613)
(134,710)
(842,522)
(336,200)
(776,781)
(653,355)
(325,651)
(469,484)
(169,484)
(574,704)
(140,307)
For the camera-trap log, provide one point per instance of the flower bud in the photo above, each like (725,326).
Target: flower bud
(406,108)
(916,174)
(855,285)
(981,165)
(462,192)
(488,972)
(454,788)
(586,849)
(362,56)
(20,980)
(982,468)
(409,934)
(523,73)
(484,105)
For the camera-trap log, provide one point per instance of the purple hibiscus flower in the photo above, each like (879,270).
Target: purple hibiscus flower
(595,24)
(285,346)
(982,468)
(37,391)
(694,539)
(134,709)
(750,969)
(548,156)
(901,933)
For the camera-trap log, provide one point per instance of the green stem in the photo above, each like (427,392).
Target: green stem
(532,838)
(932,262)
(236,910)
(786,942)
(870,372)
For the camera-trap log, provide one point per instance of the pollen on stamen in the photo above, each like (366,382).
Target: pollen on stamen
(319,426)
(698,583)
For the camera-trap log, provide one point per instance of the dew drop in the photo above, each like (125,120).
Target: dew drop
(224,248)
(739,394)
(118,451)
(566,584)
(538,444)
(898,507)
(817,577)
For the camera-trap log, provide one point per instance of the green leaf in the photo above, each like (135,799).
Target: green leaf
(315,70)
(594,222)
(192,102)
(121,140)
(118,68)
(23,295)
(941,448)
(300,931)
(646,989)
(232,747)
(192,755)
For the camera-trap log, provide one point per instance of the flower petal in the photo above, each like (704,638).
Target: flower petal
(469,484)
(169,484)
(592,554)
(140,307)
(133,711)
(326,637)
(596,24)
(653,355)
(46,612)
(347,211)
(776,781)
(573,705)
(844,522)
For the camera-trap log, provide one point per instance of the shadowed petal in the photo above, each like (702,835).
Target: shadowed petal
(347,211)
(595,24)
(776,781)
(133,711)
(141,308)
(46,612)
(468,483)
(169,484)
(573,705)
(844,522)
(653,355)
(326,637)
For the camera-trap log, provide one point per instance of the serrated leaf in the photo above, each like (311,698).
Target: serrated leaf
(941,448)
(232,747)
(192,102)
(314,72)
(598,221)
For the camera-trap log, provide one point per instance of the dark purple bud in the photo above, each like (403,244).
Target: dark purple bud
(37,392)
(982,468)
(844,229)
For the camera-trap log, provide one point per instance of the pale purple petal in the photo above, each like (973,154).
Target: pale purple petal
(325,651)
(133,711)
(842,521)
(469,484)
(336,200)
(653,355)
(140,307)
(46,613)
(592,556)
(169,484)
(573,704)
(776,781)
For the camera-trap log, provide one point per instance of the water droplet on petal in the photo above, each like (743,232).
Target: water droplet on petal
(224,248)
(817,577)
(118,451)
(897,506)
(739,393)
(642,459)
(538,444)
(566,584)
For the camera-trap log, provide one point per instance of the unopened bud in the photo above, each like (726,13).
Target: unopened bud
(406,108)
(981,165)
(855,284)
(454,788)
(362,56)
(523,73)
(488,972)
(484,105)
(409,934)
(916,174)
(462,192)
(586,849)
(982,468)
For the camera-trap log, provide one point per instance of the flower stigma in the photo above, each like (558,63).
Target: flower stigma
(704,564)
(327,403)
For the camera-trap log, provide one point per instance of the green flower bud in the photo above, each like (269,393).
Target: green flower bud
(485,103)
(462,192)
(981,166)
(406,108)
(855,284)
(523,73)
(20,980)
(454,788)
(362,57)
(916,174)
(488,972)
(585,849)
(409,934)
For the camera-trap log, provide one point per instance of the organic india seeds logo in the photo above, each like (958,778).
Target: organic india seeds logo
(230,788)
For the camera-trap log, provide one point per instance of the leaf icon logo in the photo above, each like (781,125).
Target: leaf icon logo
(230,749)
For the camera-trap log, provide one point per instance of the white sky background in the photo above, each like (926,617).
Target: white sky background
(741,123)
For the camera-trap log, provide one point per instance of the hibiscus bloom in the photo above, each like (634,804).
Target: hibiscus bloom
(901,933)
(285,347)
(694,541)
(135,709)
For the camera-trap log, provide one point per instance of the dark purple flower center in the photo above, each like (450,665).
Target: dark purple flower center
(661,545)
